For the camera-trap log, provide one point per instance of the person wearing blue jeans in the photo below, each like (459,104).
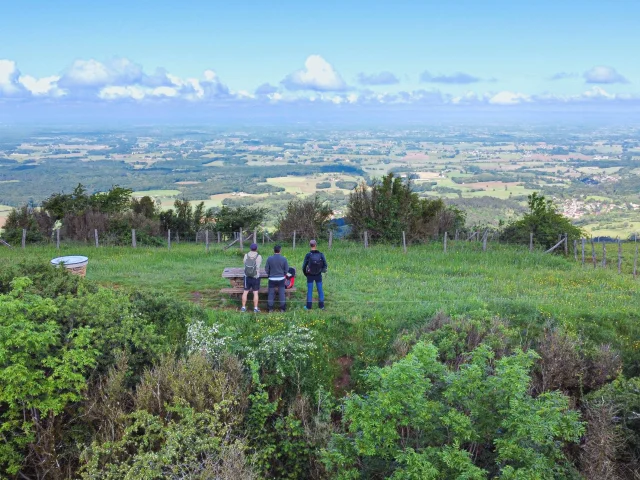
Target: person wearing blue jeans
(314,265)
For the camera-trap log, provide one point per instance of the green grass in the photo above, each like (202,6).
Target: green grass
(385,286)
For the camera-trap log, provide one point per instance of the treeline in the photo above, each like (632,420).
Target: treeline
(384,209)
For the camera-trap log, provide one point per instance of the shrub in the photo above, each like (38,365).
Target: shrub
(308,217)
(232,219)
(323,185)
(422,419)
(544,221)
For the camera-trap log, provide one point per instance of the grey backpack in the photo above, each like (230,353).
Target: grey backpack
(251,266)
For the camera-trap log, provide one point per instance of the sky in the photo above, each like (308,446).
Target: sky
(286,59)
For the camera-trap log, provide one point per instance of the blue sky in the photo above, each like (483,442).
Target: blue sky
(295,55)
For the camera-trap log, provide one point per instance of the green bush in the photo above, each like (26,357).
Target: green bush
(544,221)
(421,419)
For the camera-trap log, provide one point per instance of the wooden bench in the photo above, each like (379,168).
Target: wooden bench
(236,278)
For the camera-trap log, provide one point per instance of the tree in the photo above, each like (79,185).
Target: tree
(544,221)
(232,219)
(389,207)
(308,217)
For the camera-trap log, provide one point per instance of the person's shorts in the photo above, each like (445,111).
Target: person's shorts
(251,284)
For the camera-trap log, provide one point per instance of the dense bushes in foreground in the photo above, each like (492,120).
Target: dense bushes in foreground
(104,384)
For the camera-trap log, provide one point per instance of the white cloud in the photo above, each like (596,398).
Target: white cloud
(604,75)
(46,86)
(318,75)
(9,79)
(509,98)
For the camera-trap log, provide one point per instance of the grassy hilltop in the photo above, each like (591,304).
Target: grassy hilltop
(397,290)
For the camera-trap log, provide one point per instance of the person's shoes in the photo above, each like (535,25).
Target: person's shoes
(256,310)
(321,308)
(306,308)
(243,309)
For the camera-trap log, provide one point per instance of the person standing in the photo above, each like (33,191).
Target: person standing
(276,268)
(314,265)
(252,262)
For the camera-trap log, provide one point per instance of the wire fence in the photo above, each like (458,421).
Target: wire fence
(588,251)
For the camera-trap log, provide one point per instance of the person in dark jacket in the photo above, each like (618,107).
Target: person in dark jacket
(276,268)
(314,265)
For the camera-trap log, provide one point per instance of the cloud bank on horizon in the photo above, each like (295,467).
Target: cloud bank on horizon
(90,81)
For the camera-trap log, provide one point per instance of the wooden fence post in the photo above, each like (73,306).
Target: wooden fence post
(619,256)
(58,239)
(456,237)
(133,238)
(593,253)
(24,238)
(445,242)
(294,239)
(95,234)
(206,241)
(531,241)
(404,242)
(366,239)
(566,244)
(263,236)
(583,241)
(241,241)
(635,258)
(330,238)
(484,240)
(575,250)
(218,237)
(255,235)
(169,239)
(604,255)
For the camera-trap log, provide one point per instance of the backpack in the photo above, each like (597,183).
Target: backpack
(315,265)
(251,266)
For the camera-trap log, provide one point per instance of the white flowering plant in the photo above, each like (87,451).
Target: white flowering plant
(205,339)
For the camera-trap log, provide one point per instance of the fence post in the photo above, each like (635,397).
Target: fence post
(635,258)
(255,235)
(263,236)
(218,237)
(531,241)
(604,255)
(330,238)
(456,236)
(583,240)
(566,244)
(404,242)
(366,239)
(206,241)
(95,234)
(294,239)
(575,250)
(134,244)
(484,240)
(24,238)
(619,256)
(445,242)
(58,239)
(169,239)
(593,253)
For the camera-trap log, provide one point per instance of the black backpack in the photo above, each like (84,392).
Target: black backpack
(315,265)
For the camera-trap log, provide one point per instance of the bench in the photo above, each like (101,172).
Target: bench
(235,275)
